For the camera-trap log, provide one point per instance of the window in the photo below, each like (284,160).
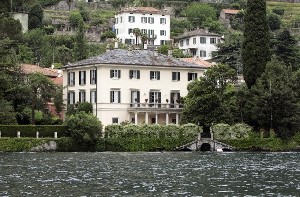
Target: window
(151,32)
(131,19)
(115,120)
(163,32)
(130,31)
(192,76)
(81,96)
(175,76)
(134,74)
(150,20)
(194,40)
(213,40)
(155,98)
(202,53)
(117,20)
(174,99)
(93,96)
(115,96)
(163,42)
(71,78)
(181,43)
(163,21)
(202,40)
(117,31)
(135,98)
(144,19)
(187,41)
(82,75)
(154,75)
(144,31)
(121,19)
(93,76)
(116,74)
(194,52)
(71,97)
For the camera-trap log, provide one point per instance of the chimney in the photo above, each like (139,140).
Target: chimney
(129,51)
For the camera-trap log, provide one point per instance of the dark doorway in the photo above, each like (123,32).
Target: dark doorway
(205,147)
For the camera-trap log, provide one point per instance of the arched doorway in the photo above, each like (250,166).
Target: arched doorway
(205,147)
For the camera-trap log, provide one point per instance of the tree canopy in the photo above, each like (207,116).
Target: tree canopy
(255,47)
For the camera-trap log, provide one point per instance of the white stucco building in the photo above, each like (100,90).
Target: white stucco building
(150,21)
(139,86)
(199,43)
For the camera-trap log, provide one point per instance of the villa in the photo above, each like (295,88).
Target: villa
(139,86)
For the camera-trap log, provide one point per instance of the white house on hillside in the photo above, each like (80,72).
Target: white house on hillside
(199,43)
(140,86)
(150,21)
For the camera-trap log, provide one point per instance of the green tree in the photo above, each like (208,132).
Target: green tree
(35,18)
(137,32)
(75,19)
(274,22)
(255,47)
(80,48)
(41,90)
(85,107)
(163,49)
(7,113)
(273,102)
(198,13)
(287,49)
(10,28)
(178,26)
(85,129)
(229,51)
(207,101)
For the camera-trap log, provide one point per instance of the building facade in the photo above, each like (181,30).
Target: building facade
(139,86)
(199,43)
(151,22)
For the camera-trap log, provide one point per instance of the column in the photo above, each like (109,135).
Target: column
(135,118)
(177,119)
(156,118)
(167,118)
(146,118)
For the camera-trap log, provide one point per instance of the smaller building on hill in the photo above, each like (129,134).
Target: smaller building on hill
(150,21)
(199,43)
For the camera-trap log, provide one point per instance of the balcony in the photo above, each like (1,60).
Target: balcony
(158,107)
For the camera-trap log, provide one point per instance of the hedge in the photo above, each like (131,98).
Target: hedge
(132,137)
(30,130)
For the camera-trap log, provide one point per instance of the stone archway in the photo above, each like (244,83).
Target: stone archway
(205,147)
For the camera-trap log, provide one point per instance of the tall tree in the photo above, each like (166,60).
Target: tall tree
(287,49)
(41,90)
(255,48)
(198,13)
(229,52)
(80,48)
(273,102)
(137,32)
(36,16)
(209,97)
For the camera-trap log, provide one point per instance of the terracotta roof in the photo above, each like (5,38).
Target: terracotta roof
(146,10)
(145,58)
(197,60)
(197,32)
(58,80)
(229,11)
(29,68)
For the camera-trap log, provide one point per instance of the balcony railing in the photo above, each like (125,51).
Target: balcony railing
(157,105)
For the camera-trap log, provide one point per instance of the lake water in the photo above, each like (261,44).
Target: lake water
(150,174)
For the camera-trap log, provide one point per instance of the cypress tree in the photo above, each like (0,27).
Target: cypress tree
(255,48)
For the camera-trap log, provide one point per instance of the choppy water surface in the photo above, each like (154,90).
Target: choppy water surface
(150,174)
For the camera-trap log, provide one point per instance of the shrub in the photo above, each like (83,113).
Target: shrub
(84,128)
